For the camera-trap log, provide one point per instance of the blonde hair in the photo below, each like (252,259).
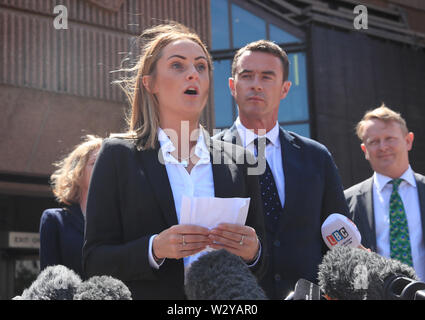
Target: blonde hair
(381,113)
(66,181)
(143,120)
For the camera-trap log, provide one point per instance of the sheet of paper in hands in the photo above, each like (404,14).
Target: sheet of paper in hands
(210,212)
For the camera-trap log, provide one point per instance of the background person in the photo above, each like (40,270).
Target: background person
(389,207)
(300,186)
(62,229)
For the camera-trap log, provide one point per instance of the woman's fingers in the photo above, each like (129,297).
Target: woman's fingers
(237,239)
(180,241)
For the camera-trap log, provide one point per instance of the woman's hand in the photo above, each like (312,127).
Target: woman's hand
(180,241)
(360,246)
(237,239)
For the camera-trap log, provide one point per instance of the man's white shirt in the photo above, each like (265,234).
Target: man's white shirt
(409,194)
(273,153)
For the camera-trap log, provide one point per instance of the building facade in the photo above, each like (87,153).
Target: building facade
(55,84)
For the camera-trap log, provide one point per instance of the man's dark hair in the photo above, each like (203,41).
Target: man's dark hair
(267,47)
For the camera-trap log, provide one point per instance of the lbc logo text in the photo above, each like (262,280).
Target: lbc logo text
(337,236)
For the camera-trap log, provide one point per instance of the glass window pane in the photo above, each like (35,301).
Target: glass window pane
(295,106)
(281,36)
(222,97)
(220,25)
(247,27)
(302,129)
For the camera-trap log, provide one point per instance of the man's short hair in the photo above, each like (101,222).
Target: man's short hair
(267,47)
(382,113)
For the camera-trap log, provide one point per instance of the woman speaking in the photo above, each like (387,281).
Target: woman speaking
(139,179)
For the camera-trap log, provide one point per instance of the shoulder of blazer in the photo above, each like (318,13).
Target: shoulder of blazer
(359,189)
(230,135)
(74,214)
(119,143)
(231,151)
(419,178)
(118,149)
(52,214)
(420,183)
(289,138)
(64,216)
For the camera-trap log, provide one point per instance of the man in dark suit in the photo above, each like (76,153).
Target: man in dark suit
(300,183)
(389,207)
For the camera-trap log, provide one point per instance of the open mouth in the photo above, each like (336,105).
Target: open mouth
(191,91)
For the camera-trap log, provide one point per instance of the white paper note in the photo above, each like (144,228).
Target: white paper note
(209,212)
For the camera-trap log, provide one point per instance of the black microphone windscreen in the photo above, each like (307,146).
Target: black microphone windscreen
(53,283)
(306,290)
(221,275)
(356,274)
(102,288)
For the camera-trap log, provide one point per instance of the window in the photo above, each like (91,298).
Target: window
(280,36)
(246,27)
(294,108)
(224,111)
(220,25)
(232,28)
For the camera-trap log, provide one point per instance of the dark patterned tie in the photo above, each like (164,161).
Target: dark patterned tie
(269,194)
(399,230)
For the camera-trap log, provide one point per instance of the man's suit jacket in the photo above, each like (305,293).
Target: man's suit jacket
(130,199)
(313,190)
(360,202)
(61,238)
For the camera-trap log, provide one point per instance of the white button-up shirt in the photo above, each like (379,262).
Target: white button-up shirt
(198,183)
(409,194)
(273,153)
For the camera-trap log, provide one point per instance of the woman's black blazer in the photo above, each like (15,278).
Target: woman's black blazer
(130,199)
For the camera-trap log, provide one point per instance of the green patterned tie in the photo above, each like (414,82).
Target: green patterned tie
(399,230)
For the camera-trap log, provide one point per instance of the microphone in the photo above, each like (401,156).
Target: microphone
(348,273)
(398,287)
(420,295)
(339,230)
(53,283)
(305,290)
(221,275)
(102,288)
(60,283)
